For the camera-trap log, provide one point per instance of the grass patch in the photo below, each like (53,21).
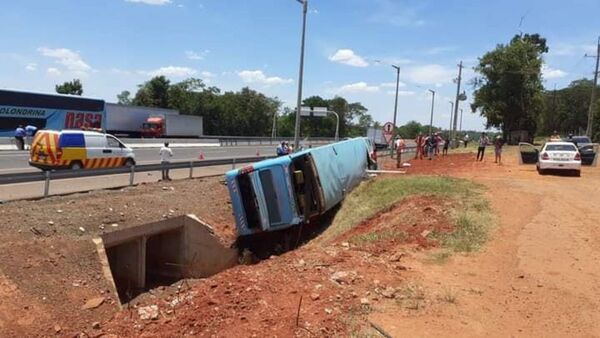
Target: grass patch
(449,296)
(471,228)
(440,257)
(411,297)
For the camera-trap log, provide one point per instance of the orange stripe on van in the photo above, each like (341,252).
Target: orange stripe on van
(104,163)
(113,162)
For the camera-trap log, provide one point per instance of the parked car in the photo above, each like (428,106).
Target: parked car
(586,148)
(78,149)
(559,156)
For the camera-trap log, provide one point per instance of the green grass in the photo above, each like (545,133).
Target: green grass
(373,237)
(471,214)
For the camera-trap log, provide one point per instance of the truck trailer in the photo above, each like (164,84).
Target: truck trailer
(169,125)
(124,120)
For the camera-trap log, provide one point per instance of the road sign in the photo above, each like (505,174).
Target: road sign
(388,131)
(313,111)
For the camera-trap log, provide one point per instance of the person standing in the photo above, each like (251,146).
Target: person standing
(165,158)
(400,145)
(483,142)
(420,142)
(498,143)
(282,149)
(446,145)
(29,133)
(20,137)
(466,140)
(431,144)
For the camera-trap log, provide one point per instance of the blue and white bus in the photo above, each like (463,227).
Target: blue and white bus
(48,111)
(280,193)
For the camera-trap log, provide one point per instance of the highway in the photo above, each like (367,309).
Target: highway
(13,161)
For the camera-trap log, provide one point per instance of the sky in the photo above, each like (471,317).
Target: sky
(115,45)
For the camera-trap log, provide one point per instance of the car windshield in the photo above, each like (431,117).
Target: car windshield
(560,147)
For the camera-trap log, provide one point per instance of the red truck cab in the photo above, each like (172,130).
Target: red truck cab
(153,127)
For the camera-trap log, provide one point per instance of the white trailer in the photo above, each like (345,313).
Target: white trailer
(376,135)
(183,126)
(128,120)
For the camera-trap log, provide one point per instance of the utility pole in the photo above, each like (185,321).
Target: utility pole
(451,112)
(274,128)
(396,101)
(460,128)
(301,74)
(432,103)
(593,98)
(460,67)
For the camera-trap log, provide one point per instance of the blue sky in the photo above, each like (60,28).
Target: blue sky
(114,45)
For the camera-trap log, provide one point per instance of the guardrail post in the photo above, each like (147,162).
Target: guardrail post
(191,169)
(131,174)
(233,164)
(47,183)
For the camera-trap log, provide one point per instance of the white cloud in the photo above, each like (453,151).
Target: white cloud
(170,71)
(551,73)
(257,76)
(392,84)
(195,55)
(358,87)
(53,71)
(207,74)
(440,50)
(395,13)
(151,2)
(32,67)
(71,60)
(401,92)
(348,57)
(432,74)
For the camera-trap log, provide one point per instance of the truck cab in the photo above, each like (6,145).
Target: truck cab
(153,127)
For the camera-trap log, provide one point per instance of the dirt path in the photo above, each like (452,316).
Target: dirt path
(538,275)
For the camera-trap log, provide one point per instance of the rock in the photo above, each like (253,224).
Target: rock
(101,227)
(165,188)
(318,286)
(171,211)
(345,244)
(59,211)
(114,225)
(343,277)
(50,223)
(57,328)
(389,292)
(172,188)
(328,311)
(315,296)
(364,301)
(93,303)
(397,256)
(96,325)
(82,229)
(425,233)
(301,262)
(110,209)
(148,312)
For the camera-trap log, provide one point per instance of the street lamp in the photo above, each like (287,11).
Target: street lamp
(451,114)
(396,101)
(432,103)
(301,74)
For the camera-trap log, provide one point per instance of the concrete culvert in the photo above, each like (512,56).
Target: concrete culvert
(139,258)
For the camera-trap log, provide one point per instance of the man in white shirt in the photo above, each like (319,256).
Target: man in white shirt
(165,157)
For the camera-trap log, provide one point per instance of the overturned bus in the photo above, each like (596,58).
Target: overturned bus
(279,193)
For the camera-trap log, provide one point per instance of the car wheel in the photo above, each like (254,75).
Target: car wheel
(578,173)
(541,171)
(129,162)
(76,166)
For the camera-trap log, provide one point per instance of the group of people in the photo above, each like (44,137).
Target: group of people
(284,149)
(484,141)
(430,145)
(24,136)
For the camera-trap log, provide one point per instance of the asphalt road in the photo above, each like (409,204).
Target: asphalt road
(12,161)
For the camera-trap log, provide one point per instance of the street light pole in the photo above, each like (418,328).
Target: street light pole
(301,74)
(396,101)
(432,103)
(337,125)
(460,129)
(451,114)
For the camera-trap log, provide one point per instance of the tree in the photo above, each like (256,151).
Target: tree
(509,91)
(124,98)
(154,93)
(70,88)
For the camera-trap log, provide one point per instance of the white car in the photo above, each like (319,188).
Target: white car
(559,156)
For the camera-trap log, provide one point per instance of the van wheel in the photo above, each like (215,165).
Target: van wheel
(76,166)
(129,162)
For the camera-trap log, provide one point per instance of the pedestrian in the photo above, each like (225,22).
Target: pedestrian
(400,145)
(498,143)
(165,158)
(437,143)
(282,149)
(20,137)
(29,134)
(420,143)
(431,144)
(483,142)
(466,140)
(446,145)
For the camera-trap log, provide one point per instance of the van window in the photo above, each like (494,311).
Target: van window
(95,141)
(71,140)
(268,186)
(113,142)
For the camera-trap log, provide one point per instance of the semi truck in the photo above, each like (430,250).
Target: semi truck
(124,120)
(171,125)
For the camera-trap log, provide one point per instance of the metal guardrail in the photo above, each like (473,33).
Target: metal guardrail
(225,141)
(49,175)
